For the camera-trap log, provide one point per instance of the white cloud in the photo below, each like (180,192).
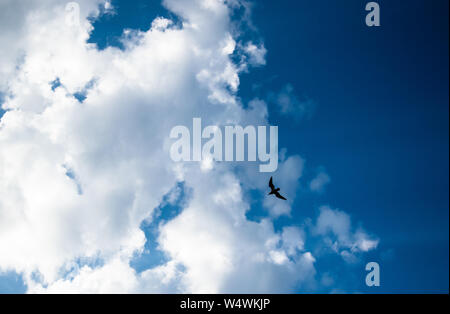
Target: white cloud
(293,239)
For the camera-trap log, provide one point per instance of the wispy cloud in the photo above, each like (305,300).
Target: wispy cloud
(288,103)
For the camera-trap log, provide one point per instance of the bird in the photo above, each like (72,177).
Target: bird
(275,191)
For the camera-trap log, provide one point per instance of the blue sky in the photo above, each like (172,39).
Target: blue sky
(381,124)
(377,124)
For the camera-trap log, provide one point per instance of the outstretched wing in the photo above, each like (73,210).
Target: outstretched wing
(271,184)
(280,196)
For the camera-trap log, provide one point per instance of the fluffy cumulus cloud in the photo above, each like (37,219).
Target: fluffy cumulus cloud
(79,175)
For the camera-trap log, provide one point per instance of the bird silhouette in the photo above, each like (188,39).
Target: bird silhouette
(275,191)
